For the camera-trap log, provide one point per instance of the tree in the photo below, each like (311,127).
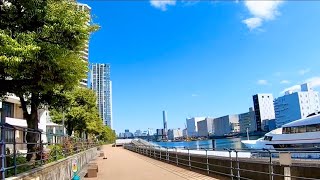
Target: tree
(81,112)
(108,135)
(40,53)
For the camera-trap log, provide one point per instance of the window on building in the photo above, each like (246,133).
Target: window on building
(9,136)
(7,110)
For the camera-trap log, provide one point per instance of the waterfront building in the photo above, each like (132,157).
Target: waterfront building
(225,125)
(296,105)
(264,109)
(102,85)
(85,51)
(192,126)
(137,133)
(174,134)
(159,134)
(127,134)
(185,133)
(247,121)
(205,127)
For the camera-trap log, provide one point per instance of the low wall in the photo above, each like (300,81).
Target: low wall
(248,168)
(58,170)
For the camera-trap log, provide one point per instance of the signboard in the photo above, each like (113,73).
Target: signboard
(74,165)
(285,159)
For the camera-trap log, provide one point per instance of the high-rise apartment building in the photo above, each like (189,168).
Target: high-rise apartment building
(102,85)
(85,52)
(293,106)
(263,108)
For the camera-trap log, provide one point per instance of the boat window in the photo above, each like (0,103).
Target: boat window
(302,129)
(268,138)
(312,128)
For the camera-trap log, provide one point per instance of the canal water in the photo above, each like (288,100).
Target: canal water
(219,144)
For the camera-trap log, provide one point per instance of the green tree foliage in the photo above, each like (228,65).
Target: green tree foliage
(80,113)
(40,44)
(108,135)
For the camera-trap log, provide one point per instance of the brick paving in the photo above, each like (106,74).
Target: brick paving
(126,165)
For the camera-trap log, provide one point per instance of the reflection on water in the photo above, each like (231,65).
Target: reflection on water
(220,144)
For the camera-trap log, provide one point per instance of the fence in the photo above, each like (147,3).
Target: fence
(49,147)
(234,165)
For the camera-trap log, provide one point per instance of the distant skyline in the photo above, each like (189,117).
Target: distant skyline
(202,58)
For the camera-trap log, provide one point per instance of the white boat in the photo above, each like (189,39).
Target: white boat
(300,134)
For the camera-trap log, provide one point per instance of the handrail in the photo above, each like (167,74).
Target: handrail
(184,157)
(49,147)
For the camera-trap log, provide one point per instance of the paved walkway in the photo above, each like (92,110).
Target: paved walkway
(126,165)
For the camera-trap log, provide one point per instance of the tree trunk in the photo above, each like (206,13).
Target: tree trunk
(33,132)
(33,135)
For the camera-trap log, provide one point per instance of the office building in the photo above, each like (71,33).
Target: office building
(185,133)
(295,105)
(165,128)
(264,109)
(85,52)
(102,85)
(174,134)
(205,127)
(192,126)
(247,121)
(137,133)
(225,125)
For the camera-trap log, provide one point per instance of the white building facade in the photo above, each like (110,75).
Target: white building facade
(297,105)
(225,125)
(247,121)
(205,127)
(85,52)
(12,114)
(174,134)
(264,109)
(192,126)
(102,85)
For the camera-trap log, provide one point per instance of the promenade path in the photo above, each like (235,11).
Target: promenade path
(126,165)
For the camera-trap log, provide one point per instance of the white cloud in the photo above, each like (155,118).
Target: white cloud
(261,10)
(304,71)
(253,23)
(314,83)
(162,4)
(262,82)
(284,82)
(194,95)
(292,88)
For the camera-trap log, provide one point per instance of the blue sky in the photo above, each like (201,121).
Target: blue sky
(202,58)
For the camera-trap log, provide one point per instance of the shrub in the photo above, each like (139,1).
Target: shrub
(56,153)
(20,159)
